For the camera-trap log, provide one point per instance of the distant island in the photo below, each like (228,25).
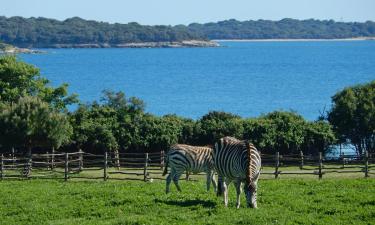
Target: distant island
(79,33)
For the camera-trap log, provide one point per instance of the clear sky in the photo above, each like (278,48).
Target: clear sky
(187,11)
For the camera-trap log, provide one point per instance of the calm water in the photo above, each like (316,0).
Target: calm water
(245,78)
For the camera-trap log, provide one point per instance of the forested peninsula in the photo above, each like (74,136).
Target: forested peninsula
(80,33)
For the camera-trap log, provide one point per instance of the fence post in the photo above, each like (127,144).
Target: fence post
(105,176)
(343,160)
(366,164)
(145,168)
(320,165)
(29,165)
(277,165)
(301,155)
(13,158)
(117,159)
(162,160)
(53,159)
(2,167)
(48,162)
(66,166)
(80,160)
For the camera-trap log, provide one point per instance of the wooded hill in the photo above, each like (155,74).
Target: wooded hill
(284,29)
(43,32)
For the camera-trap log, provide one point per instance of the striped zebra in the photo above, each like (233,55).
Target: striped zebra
(231,158)
(194,159)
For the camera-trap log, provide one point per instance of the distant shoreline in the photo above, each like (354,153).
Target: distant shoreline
(295,40)
(165,44)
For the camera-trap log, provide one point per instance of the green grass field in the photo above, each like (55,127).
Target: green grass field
(284,201)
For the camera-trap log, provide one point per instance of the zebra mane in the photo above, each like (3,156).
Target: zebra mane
(248,171)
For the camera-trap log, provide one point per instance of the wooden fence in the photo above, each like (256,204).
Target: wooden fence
(149,166)
(317,165)
(82,165)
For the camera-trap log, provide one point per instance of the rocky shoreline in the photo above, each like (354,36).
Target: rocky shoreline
(177,44)
(9,49)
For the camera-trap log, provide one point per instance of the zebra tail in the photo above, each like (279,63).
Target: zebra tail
(165,167)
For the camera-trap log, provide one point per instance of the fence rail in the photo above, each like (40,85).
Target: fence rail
(147,166)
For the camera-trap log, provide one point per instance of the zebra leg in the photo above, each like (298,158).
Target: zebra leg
(225,186)
(168,182)
(214,184)
(254,196)
(237,184)
(219,190)
(208,180)
(176,177)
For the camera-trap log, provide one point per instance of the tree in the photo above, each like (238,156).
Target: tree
(93,128)
(318,137)
(30,123)
(215,125)
(277,131)
(111,125)
(19,79)
(261,132)
(353,116)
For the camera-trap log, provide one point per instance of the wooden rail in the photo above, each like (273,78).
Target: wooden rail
(148,166)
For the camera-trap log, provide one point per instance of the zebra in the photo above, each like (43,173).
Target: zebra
(231,159)
(195,159)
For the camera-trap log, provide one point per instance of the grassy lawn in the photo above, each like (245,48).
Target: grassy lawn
(284,201)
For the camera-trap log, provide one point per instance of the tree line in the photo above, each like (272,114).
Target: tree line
(34,115)
(282,29)
(44,32)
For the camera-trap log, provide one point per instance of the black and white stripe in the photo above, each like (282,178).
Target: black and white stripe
(191,159)
(237,161)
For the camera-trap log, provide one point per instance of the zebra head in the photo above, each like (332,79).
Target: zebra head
(251,194)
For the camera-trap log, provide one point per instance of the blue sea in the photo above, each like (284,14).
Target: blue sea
(244,78)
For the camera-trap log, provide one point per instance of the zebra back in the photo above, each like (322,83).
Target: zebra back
(195,158)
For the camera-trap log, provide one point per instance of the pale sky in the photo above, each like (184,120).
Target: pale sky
(174,12)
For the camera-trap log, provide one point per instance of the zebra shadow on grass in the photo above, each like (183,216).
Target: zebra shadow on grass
(188,203)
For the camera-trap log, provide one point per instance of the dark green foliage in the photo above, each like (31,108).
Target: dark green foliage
(288,132)
(30,123)
(43,32)
(215,125)
(18,79)
(289,201)
(120,123)
(318,136)
(353,116)
(285,28)
(93,128)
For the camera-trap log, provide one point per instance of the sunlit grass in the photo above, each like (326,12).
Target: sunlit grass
(283,201)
